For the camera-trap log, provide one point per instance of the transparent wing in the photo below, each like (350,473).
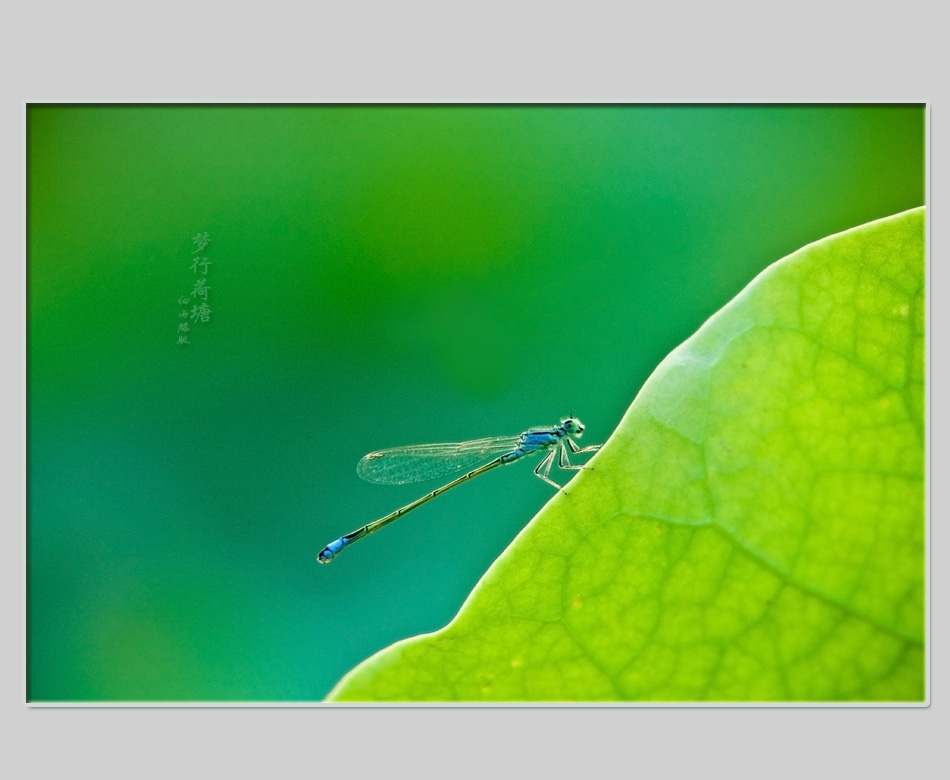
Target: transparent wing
(419,462)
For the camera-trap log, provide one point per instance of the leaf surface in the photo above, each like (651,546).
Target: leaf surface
(753,530)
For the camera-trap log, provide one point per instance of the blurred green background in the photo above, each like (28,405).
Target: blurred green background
(379,276)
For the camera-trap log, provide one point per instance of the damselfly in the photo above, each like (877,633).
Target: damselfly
(419,462)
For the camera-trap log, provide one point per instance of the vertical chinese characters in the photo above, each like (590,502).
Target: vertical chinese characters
(200,311)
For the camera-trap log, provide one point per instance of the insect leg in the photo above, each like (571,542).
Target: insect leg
(545,465)
(577,450)
(564,462)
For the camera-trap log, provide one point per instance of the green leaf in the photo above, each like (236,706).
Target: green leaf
(752,531)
